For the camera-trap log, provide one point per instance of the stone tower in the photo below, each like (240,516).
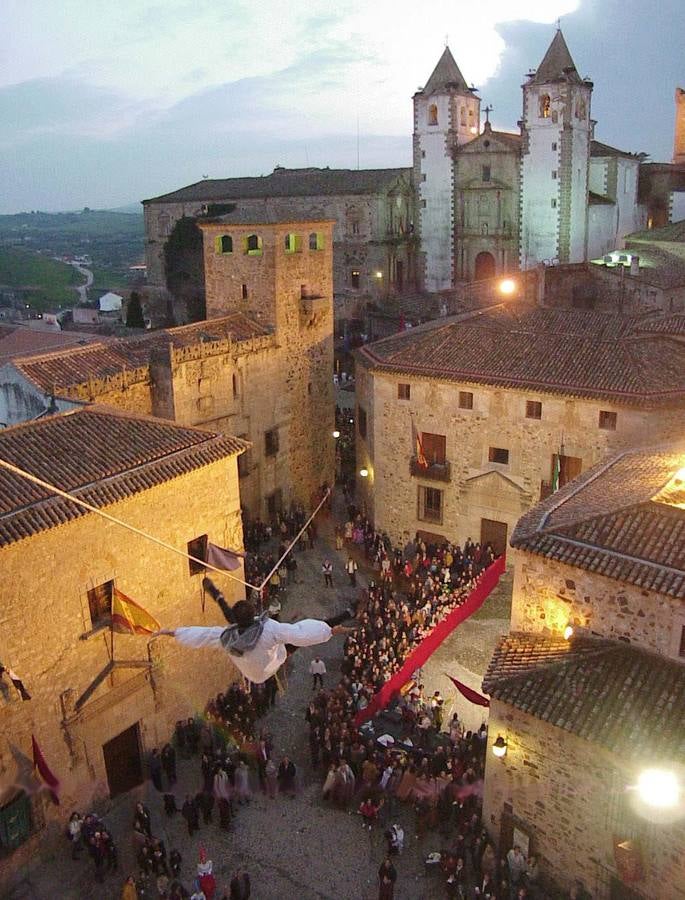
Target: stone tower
(679,137)
(556,132)
(446,114)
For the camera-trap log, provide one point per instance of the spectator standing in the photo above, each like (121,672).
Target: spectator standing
(351,568)
(156,769)
(190,813)
(286,776)
(387,876)
(317,669)
(327,572)
(169,762)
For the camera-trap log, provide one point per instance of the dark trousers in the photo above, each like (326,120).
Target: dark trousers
(328,580)
(317,677)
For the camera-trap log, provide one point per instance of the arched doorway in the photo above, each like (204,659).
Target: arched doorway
(485,266)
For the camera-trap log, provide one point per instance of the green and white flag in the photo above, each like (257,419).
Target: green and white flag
(556,471)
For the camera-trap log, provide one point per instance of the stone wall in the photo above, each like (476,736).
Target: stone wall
(549,595)
(47,635)
(477,488)
(570,797)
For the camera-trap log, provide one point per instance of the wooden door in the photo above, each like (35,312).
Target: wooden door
(495,533)
(15,822)
(123,763)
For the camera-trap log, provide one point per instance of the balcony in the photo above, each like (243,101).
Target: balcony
(314,304)
(434,472)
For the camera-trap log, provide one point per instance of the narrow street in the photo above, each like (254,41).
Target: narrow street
(300,848)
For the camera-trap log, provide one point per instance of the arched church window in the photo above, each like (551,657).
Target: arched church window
(462,116)
(432,114)
(316,241)
(545,106)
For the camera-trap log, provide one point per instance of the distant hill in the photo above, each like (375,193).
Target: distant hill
(42,283)
(135,209)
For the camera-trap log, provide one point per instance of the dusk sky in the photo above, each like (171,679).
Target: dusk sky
(104,104)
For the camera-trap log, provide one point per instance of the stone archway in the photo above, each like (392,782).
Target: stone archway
(485,266)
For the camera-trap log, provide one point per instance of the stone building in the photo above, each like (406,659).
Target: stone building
(493,201)
(100,702)
(260,368)
(373,211)
(583,716)
(501,399)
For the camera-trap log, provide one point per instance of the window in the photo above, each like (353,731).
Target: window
(486,173)
(465,400)
(243,291)
(423,176)
(554,202)
(434,448)
(430,505)
(197,548)
(545,106)
(354,279)
(462,116)
(554,174)
(293,243)
(244,460)
(316,241)
(432,114)
(423,204)
(164,225)
(274,503)
(681,649)
(234,382)
(355,227)
(403,391)
(253,245)
(498,455)
(423,154)
(533,409)
(554,145)
(569,467)
(100,604)
(361,421)
(271,442)
(224,243)
(607,420)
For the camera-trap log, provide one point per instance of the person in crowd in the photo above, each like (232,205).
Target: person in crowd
(74,834)
(155,765)
(190,813)
(387,876)
(286,776)
(317,669)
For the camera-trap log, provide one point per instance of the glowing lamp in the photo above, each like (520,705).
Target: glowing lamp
(679,476)
(364,473)
(473,129)
(499,748)
(658,788)
(378,274)
(507,287)
(336,433)
(568,632)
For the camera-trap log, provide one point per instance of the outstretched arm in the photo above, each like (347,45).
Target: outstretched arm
(194,635)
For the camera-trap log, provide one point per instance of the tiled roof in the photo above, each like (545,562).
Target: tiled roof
(508,138)
(597,148)
(627,700)
(288,183)
(266,216)
(572,352)
(102,456)
(557,64)
(673,233)
(60,370)
(20,340)
(445,75)
(623,519)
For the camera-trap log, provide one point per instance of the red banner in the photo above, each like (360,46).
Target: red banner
(432,641)
(471,695)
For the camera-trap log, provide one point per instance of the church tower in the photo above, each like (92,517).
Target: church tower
(556,132)
(679,138)
(446,115)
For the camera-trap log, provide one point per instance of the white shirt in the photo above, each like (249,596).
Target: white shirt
(317,667)
(268,656)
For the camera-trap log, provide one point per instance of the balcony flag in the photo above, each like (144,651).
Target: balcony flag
(221,558)
(420,455)
(44,770)
(129,618)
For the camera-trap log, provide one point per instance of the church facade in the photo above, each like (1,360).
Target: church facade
(491,202)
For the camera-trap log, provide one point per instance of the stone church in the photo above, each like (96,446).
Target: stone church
(494,201)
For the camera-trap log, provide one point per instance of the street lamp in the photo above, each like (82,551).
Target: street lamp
(507,287)
(378,274)
(499,748)
(364,473)
(568,632)
(336,433)
(658,788)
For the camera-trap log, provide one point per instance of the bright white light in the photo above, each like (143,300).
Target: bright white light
(507,286)
(336,433)
(568,632)
(379,274)
(658,787)
(473,129)
(364,473)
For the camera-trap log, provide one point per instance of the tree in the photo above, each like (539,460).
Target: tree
(134,312)
(184,267)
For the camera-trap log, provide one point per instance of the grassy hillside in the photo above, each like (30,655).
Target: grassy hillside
(45,282)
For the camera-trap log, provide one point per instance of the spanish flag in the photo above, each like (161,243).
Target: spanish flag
(420,455)
(129,618)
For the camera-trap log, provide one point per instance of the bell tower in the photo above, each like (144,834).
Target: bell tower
(446,114)
(679,137)
(556,131)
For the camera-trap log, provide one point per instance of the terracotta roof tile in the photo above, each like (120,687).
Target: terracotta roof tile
(624,519)
(572,352)
(628,700)
(100,455)
(67,368)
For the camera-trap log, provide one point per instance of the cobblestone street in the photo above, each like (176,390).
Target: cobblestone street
(299,848)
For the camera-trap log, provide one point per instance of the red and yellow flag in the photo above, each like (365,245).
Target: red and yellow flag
(129,618)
